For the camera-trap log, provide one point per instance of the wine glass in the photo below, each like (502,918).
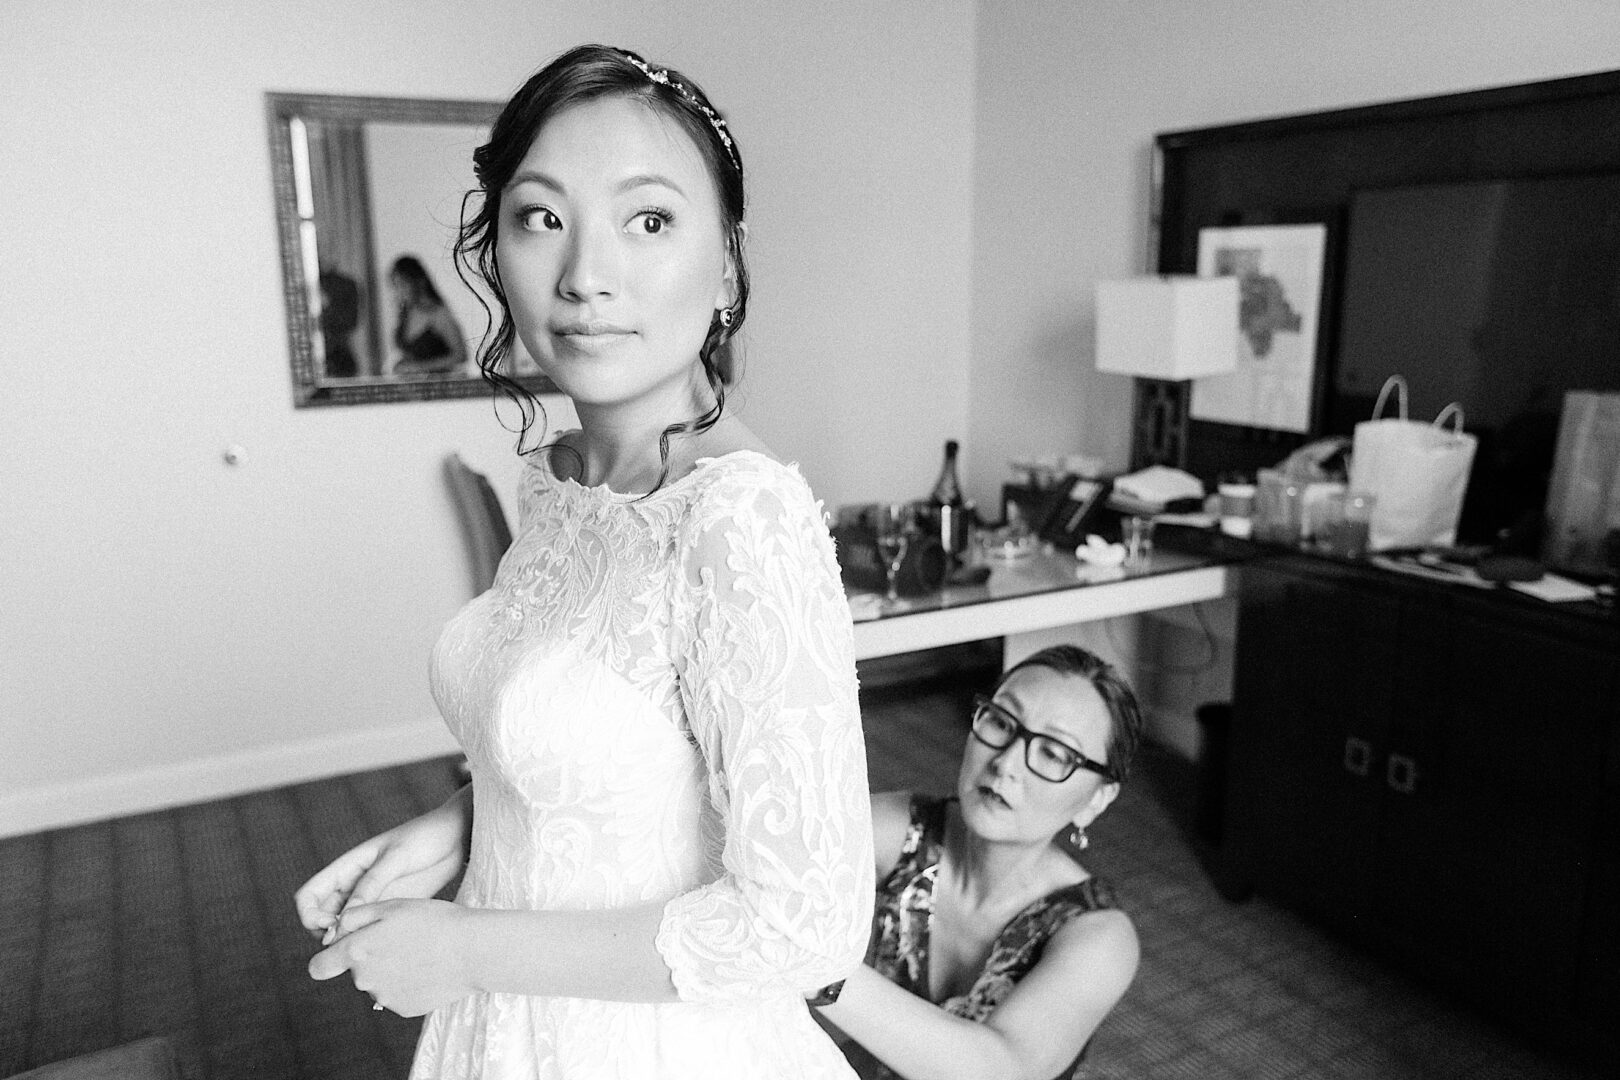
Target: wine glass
(896,522)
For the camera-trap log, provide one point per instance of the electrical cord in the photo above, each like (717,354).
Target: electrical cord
(1211,650)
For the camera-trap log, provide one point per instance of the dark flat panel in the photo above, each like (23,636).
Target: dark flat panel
(1307,168)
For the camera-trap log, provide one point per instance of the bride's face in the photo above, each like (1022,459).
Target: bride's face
(612,252)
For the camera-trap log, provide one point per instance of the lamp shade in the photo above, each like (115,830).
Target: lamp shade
(1173,327)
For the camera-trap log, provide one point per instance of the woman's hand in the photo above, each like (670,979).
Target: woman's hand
(409,955)
(412,861)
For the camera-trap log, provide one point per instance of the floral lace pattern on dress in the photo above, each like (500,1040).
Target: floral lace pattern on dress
(657,700)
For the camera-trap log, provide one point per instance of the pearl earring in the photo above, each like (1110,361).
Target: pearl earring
(726,317)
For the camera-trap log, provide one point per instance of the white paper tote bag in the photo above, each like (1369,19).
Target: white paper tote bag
(1417,471)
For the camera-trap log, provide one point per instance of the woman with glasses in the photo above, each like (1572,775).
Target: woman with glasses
(994,952)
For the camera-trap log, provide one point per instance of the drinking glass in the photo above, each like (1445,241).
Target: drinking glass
(1137,533)
(1279,508)
(896,522)
(1358,512)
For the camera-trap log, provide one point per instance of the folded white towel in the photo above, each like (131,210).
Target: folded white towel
(1160,484)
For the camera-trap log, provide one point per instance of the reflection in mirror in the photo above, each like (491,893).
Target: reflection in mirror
(368,202)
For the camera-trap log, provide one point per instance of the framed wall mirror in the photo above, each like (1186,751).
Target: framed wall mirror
(369,195)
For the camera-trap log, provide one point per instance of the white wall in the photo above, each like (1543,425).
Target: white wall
(1071,93)
(172,628)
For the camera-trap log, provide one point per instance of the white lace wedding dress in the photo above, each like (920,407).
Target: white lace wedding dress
(657,700)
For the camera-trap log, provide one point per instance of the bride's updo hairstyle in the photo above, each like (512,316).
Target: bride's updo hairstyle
(580,75)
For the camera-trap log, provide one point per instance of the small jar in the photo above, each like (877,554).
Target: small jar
(1236,508)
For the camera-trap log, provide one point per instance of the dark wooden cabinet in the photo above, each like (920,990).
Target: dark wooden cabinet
(1433,771)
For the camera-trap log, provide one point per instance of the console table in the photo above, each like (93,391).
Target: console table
(1033,597)
(1434,770)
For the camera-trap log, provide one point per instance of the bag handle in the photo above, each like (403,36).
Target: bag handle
(1452,411)
(1398,384)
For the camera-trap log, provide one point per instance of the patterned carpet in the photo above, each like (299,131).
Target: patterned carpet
(181,923)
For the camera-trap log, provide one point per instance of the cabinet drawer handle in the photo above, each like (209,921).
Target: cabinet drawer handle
(1401,774)
(1357,756)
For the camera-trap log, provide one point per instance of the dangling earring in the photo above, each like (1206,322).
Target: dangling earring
(1078,837)
(726,317)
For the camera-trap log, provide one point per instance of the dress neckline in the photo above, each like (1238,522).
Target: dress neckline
(602,491)
(1075,889)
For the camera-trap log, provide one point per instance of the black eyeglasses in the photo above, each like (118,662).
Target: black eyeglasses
(1048,758)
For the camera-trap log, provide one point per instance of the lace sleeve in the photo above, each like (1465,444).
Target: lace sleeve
(767,668)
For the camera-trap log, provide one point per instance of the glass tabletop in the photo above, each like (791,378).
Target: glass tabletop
(1039,572)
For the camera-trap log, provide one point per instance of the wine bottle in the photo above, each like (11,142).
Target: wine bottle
(948,489)
(948,505)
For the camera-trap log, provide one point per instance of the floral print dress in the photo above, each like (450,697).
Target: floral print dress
(904,919)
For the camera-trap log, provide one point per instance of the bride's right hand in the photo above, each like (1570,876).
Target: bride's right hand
(411,861)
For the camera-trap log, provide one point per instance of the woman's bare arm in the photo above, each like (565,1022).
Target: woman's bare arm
(1035,1033)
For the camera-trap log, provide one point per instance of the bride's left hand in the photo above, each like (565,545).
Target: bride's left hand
(409,955)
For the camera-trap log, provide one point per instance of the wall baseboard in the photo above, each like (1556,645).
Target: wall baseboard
(78,802)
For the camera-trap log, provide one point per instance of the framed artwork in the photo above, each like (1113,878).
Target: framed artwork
(1280,270)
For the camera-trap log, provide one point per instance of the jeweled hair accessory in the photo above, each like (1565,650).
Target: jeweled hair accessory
(661,77)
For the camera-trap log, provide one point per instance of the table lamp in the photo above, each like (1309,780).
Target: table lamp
(1166,331)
